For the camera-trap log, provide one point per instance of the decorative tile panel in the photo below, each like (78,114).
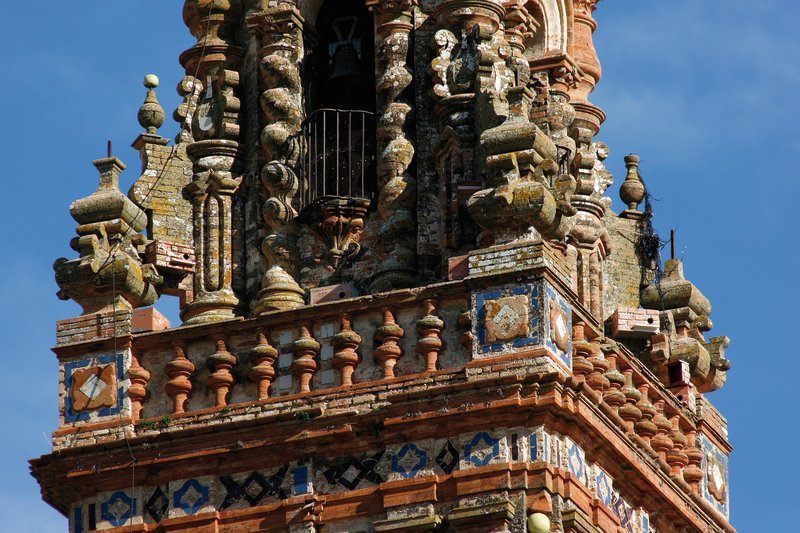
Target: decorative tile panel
(409,461)
(118,509)
(507,319)
(448,457)
(602,486)
(575,459)
(319,475)
(191,497)
(481,449)
(94,387)
(558,326)
(715,475)
(510,319)
(157,504)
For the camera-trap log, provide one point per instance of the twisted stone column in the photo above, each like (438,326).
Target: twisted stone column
(397,196)
(280,35)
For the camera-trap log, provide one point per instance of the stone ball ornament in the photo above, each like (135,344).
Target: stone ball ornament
(151,115)
(151,81)
(538,523)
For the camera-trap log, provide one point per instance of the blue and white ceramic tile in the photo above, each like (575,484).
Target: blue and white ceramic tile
(603,485)
(119,361)
(564,356)
(301,480)
(540,445)
(534,319)
(715,475)
(192,496)
(116,509)
(481,449)
(575,460)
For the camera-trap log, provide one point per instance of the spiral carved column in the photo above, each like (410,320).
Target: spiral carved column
(397,196)
(280,34)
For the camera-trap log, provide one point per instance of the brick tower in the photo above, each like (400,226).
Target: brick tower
(407,304)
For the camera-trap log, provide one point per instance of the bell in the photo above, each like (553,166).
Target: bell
(345,63)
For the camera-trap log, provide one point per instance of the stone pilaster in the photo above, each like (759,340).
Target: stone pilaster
(215,182)
(212,64)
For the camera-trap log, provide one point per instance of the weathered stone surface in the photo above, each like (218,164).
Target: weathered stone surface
(467,338)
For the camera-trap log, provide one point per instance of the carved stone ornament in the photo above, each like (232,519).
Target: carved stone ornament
(715,473)
(340,222)
(507,318)
(94,388)
(559,331)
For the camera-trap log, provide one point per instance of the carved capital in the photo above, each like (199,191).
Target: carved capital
(340,222)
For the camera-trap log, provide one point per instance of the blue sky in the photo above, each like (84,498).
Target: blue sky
(704,92)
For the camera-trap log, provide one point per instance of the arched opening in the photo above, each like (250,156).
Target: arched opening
(549,37)
(339,85)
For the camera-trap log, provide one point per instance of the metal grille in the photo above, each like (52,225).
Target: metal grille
(340,155)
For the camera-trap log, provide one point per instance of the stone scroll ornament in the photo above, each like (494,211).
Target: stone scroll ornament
(397,196)
(279,31)
(526,191)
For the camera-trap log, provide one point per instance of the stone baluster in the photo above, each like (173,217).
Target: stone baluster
(614,396)
(279,31)
(676,457)
(629,412)
(582,351)
(137,391)
(597,379)
(387,338)
(221,378)
(305,350)
(179,371)
(345,343)
(262,359)
(693,473)
(429,331)
(465,323)
(661,442)
(395,152)
(645,427)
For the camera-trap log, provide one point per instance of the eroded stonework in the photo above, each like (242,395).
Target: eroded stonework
(407,304)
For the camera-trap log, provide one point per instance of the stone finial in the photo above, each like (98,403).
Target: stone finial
(151,115)
(109,273)
(632,191)
(685,315)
